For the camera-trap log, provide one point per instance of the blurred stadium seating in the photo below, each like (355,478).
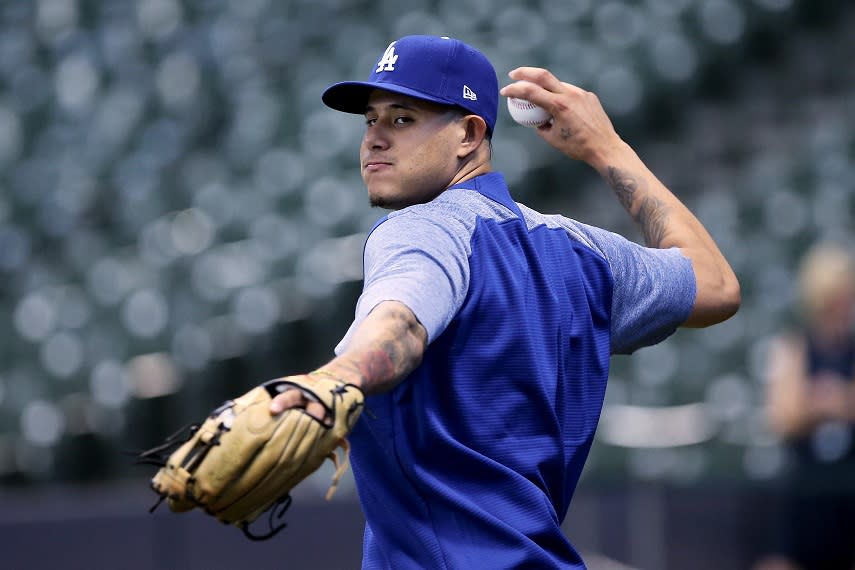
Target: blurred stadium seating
(181,218)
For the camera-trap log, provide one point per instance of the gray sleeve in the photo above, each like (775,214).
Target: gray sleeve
(654,289)
(423,264)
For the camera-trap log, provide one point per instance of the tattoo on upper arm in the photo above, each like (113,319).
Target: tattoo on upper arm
(651,214)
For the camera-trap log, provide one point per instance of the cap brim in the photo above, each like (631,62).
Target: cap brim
(352,96)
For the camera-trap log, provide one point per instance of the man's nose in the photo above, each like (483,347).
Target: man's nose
(376,138)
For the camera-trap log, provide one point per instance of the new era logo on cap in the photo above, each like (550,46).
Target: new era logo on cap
(438,69)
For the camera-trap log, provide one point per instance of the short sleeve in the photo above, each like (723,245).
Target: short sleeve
(654,289)
(415,260)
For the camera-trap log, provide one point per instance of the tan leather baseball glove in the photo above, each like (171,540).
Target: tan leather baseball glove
(242,461)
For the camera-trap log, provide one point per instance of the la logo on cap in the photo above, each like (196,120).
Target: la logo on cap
(387,62)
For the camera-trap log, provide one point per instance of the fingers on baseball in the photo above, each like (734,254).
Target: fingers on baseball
(537,75)
(527,91)
(546,80)
(542,88)
(535,94)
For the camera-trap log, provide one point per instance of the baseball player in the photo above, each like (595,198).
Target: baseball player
(481,342)
(484,329)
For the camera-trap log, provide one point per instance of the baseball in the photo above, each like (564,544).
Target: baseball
(526,113)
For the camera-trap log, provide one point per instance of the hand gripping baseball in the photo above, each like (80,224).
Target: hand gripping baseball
(243,461)
(579,128)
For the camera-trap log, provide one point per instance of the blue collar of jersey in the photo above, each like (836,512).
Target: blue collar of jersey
(493,186)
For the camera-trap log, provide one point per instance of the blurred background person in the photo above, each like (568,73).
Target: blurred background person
(811,407)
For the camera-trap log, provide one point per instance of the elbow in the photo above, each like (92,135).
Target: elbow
(731,297)
(727,300)
(716,304)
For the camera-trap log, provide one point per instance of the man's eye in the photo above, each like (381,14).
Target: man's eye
(370,121)
(402,120)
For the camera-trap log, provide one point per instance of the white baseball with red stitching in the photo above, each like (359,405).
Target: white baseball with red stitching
(527,113)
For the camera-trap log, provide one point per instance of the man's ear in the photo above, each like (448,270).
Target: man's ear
(474,133)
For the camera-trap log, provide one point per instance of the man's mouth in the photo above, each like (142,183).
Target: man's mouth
(376,165)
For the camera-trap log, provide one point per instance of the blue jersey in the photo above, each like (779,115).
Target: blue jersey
(472,460)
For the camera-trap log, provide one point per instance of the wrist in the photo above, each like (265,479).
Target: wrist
(614,154)
(341,376)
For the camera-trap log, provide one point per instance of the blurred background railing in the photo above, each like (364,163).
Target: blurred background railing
(181,218)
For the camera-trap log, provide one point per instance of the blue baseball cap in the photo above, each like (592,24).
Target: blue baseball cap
(438,69)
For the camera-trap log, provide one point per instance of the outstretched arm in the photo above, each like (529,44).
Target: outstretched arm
(384,349)
(581,130)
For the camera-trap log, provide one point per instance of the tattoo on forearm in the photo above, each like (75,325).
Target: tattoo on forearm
(370,366)
(394,350)
(624,185)
(651,213)
(391,354)
(566,133)
(652,217)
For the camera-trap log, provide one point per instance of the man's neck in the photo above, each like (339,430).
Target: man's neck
(471,170)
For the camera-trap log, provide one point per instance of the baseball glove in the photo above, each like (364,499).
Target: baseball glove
(242,461)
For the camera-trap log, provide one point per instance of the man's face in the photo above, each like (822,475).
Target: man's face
(409,153)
